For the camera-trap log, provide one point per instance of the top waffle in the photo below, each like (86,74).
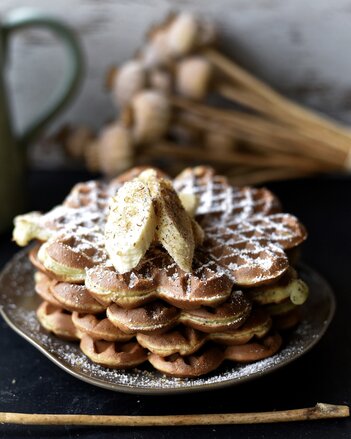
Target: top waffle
(245,243)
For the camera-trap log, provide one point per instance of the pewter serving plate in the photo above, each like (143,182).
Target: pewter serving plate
(18,303)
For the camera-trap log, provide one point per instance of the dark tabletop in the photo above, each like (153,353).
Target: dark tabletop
(29,382)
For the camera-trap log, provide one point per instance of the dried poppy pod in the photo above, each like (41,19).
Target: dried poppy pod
(193,77)
(182,34)
(91,156)
(186,33)
(77,140)
(128,80)
(150,114)
(112,152)
(157,52)
(115,149)
(160,80)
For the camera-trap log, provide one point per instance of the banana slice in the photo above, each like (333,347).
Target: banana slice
(189,202)
(174,226)
(130,226)
(294,288)
(147,176)
(27,227)
(199,234)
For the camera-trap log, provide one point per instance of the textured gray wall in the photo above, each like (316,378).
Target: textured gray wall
(301,47)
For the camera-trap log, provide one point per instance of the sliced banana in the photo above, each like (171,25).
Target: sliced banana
(189,202)
(174,226)
(199,234)
(28,227)
(296,289)
(130,226)
(147,176)
(298,292)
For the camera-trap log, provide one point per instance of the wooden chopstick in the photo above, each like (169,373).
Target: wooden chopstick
(320,411)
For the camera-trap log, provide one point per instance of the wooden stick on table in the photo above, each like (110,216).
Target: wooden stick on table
(320,411)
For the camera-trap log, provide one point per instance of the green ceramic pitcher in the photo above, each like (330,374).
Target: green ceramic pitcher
(12,145)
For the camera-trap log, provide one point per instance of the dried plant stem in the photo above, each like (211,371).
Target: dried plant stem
(283,108)
(311,133)
(242,96)
(235,158)
(267,143)
(320,411)
(256,126)
(257,176)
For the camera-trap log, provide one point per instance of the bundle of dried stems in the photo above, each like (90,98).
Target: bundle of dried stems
(183,102)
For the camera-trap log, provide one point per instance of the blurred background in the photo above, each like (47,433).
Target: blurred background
(301,48)
(298,48)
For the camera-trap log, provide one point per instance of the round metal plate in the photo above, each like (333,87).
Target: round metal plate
(18,304)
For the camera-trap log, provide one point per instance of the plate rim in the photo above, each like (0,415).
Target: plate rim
(132,389)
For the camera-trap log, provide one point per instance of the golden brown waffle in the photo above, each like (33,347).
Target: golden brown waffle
(158,276)
(121,353)
(71,297)
(185,340)
(250,254)
(205,360)
(153,318)
(72,326)
(58,321)
(33,257)
(182,340)
(113,354)
(189,323)
(75,298)
(158,317)
(98,327)
(278,309)
(42,289)
(287,320)
(219,202)
(210,358)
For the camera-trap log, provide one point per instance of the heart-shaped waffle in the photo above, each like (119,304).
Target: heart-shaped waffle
(245,244)
(244,233)
(121,353)
(75,298)
(210,357)
(157,276)
(43,290)
(203,361)
(287,320)
(98,327)
(113,354)
(71,297)
(57,320)
(220,202)
(182,340)
(185,340)
(158,317)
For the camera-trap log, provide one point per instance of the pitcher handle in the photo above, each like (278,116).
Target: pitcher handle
(24,18)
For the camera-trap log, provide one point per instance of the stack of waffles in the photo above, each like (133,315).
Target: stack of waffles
(232,303)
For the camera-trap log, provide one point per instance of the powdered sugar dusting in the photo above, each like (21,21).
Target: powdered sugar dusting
(19,303)
(245,239)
